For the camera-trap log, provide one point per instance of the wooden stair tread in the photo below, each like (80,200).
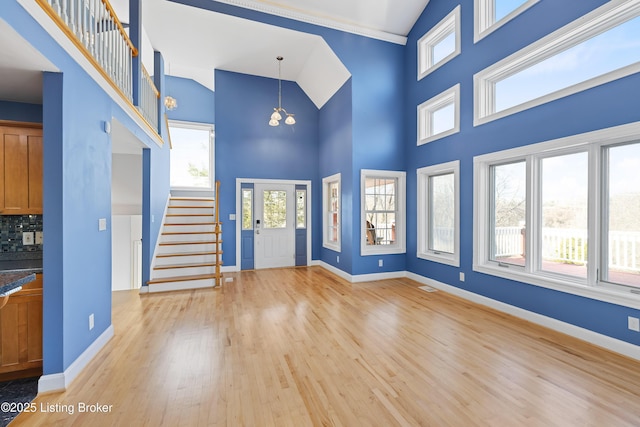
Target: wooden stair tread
(207,199)
(189,233)
(190,223)
(203,242)
(183,278)
(202,214)
(188,265)
(188,254)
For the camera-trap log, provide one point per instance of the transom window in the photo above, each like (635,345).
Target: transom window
(440,44)
(597,48)
(564,218)
(439,116)
(492,14)
(383,211)
(438,213)
(191,156)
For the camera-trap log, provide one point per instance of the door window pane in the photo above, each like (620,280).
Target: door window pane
(564,214)
(301,210)
(190,158)
(442,213)
(622,261)
(508,213)
(247,209)
(275,209)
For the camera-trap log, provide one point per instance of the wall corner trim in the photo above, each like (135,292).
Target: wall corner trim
(59,382)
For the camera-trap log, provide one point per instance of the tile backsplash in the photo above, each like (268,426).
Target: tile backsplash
(11,229)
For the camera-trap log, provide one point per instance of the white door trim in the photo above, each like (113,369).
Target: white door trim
(238,213)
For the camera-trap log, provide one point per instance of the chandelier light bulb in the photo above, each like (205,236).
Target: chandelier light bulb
(276,115)
(290,120)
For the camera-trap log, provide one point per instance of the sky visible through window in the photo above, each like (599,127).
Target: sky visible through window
(505,7)
(599,55)
(190,158)
(444,47)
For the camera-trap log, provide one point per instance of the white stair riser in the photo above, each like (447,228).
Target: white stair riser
(179,286)
(181,249)
(187,271)
(191,202)
(190,210)
(187,228)
(189,219)
(187,238)
(188,259)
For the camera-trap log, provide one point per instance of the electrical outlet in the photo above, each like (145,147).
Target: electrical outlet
(380,263)
(38,237)
(338,259)
(461,276)
(634,323)
(91,323)
(27,238)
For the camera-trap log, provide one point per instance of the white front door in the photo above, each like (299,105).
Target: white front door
(274,225)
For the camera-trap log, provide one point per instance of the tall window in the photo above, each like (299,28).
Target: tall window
(563,214)
(597,48)
(440,44)
(439,213)
(247,208)
(492,14)
(191,156)
(383,212)
(332,210)
(301,208)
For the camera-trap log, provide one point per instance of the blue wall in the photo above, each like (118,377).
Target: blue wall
(77,193)
(20,112)
(247,147)
(196,103)
(608,105)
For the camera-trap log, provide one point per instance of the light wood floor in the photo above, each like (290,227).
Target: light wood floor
(301,347)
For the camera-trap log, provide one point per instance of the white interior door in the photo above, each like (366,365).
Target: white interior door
(274,225)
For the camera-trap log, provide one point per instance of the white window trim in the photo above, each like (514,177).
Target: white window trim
(423,202)
(325,212)
(399,247)
(483,13)
(591,141)
(596,22)
(433,37)
(212,133)
(427,108)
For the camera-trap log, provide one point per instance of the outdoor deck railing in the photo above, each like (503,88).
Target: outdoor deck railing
(571,246)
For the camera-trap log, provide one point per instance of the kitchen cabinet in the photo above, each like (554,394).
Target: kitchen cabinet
(20,169)
(21,333)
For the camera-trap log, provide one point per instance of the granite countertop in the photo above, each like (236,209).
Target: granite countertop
(10,281)
(21,262)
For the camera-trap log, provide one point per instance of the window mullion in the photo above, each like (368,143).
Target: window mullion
(533,230)
(597,215)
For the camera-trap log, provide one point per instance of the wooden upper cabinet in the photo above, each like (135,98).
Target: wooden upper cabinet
(20,170)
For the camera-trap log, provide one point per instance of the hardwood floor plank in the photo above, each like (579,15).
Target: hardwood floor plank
(303,347)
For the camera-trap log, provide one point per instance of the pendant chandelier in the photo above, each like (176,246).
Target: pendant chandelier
(276,116)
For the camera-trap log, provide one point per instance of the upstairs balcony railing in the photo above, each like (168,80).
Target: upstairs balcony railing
(95,28)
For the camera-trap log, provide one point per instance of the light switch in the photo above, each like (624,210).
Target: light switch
(27,238)
(38,237)
(102,224)
(232,217)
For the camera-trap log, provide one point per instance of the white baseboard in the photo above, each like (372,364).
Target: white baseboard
(609,343)
(59,382)
(230,269)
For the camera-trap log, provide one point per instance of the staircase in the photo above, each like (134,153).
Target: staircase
(189,250)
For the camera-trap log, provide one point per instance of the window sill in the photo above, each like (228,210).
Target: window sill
(382,250)
(336,248)
(448,259)
(616,296)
